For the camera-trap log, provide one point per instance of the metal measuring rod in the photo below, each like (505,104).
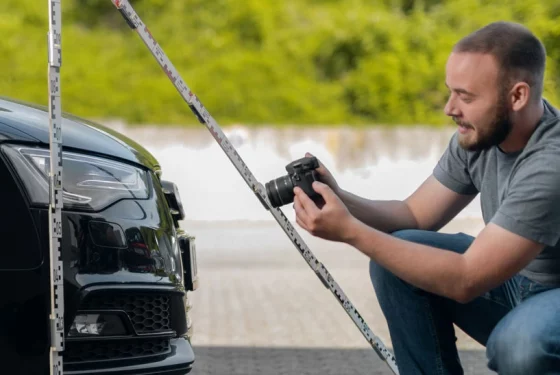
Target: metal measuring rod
(258,189)
(55,181)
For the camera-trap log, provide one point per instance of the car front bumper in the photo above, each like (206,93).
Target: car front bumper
(178,362)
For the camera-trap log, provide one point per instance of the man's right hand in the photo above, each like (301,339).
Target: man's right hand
(326,176)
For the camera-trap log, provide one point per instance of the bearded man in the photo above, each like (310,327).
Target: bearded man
(501,287)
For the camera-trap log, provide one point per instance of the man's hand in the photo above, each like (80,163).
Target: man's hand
(332,221)
(326,176)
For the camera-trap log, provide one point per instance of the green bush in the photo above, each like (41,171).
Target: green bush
(259,61)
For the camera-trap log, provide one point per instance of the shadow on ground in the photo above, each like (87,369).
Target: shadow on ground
(312,361)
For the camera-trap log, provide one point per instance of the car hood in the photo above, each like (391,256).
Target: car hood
(27,122)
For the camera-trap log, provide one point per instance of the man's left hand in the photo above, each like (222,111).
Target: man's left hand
(332,221)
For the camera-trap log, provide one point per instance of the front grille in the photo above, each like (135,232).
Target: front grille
(149,313)
(97,350)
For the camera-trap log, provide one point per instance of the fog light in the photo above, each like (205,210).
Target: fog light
(97,325)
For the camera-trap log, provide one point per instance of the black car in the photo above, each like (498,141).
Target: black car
(128,267)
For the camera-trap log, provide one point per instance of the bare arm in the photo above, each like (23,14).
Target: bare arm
(430,207)
(494,256)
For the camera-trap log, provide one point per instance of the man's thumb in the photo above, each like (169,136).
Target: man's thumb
(323,189)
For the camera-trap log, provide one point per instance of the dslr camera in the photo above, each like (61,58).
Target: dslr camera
(301,173)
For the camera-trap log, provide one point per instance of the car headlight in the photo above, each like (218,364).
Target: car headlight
(89,183)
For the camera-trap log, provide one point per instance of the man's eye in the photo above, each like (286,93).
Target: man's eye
(466,99)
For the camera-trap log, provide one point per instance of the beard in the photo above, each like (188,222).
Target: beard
(492,135)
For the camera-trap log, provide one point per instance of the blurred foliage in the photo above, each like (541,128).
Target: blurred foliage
(259,61)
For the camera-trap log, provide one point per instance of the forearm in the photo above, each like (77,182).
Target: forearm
(386,216)
(431,269)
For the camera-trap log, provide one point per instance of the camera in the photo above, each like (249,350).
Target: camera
(301,173)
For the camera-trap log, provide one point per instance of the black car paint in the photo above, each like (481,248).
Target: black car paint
(24,122)
(148,260)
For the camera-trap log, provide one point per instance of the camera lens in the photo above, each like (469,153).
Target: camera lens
(280,191)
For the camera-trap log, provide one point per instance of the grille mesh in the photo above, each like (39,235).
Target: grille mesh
(97,350)
(149,313)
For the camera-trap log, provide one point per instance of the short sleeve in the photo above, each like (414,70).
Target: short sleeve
(452,169)
(531,207)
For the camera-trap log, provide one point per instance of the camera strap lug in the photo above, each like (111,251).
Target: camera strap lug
(205,118)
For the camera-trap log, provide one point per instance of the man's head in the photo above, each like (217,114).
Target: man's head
(492,74)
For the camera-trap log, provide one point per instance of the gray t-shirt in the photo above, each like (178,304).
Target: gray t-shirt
(518,191)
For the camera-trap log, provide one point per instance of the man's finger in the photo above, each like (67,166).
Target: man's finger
(301,224)
(301,215)
(306,202)
(325,191)
(299,210)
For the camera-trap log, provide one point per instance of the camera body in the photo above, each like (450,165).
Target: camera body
(301,173)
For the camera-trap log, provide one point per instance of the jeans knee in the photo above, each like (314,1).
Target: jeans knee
(517,352)
(383,279)
(378,274)
(412,235)
(458,242)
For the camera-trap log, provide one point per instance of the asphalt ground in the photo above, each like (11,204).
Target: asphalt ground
(306,361)
(260,309)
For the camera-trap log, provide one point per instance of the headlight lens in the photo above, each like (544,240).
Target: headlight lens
(89,183)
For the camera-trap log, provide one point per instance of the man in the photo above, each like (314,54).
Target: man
(501,287)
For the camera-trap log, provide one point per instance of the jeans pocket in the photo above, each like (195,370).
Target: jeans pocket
(529,288)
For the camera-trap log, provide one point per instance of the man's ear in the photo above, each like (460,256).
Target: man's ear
(519,96)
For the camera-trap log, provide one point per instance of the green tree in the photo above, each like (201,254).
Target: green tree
(259,61)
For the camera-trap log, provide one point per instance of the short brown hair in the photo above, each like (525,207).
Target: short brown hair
(518,52)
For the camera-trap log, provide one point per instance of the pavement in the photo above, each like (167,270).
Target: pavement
(260,309)
(305,361)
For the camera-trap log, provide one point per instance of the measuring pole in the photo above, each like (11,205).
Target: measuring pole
(205,118)
(56,316)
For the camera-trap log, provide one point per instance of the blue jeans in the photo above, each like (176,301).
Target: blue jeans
(518,322)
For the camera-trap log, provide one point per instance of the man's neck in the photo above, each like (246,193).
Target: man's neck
(523,127)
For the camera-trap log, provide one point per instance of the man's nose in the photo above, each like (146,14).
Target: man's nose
(451,108)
